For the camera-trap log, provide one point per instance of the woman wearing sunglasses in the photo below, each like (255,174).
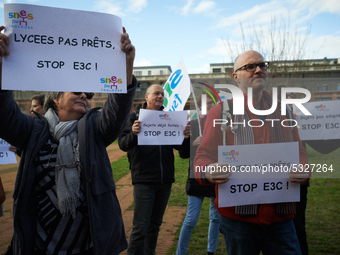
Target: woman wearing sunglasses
(64,198)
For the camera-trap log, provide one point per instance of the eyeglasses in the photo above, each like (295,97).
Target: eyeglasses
(252,67)
(157,93)
(88,95)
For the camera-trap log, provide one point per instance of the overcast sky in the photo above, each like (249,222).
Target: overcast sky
(199,31)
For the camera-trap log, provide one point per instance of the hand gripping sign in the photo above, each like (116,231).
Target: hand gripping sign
(64,49)
(161,128)
(258,178)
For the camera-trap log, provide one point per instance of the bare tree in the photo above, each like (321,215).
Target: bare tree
(279,43)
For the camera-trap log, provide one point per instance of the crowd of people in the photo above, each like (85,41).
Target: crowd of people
(65,200)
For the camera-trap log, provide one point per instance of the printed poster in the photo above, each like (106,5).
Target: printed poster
(260,174)
(66,50)
(6,156)
(161,128)
(323,124)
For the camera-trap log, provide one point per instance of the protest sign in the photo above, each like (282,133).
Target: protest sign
(177,89)
(161,128)
(260,174)
(63,50)
(323,124)
(6,156)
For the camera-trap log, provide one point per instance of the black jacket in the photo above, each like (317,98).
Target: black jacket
(148,163)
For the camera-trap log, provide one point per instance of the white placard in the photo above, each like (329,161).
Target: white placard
(161,128)
(54,49)
(323,124)
(6,156)
(260,174)
(177,89)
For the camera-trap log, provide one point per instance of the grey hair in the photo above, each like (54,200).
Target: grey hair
(49,100)
(151,86)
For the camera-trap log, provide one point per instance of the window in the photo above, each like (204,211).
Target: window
(161,72)
(217,70)
(338,87)
(137,73)
(324,88)
(149,72)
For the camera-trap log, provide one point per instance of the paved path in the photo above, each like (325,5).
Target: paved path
(172,217)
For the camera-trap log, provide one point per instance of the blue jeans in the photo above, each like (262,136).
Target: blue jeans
(150,202)
(243,238)
(193,211)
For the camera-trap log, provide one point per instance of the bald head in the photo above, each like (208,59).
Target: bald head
(250,71)
(249,55)
(154,97)
(152,87)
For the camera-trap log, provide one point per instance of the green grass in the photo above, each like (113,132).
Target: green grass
(120,168)
(322,215)
(178,194)
(330,160)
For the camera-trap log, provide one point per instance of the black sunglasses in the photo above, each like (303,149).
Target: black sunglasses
(88,95)
(252,67)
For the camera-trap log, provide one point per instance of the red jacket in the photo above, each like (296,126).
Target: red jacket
(207,153)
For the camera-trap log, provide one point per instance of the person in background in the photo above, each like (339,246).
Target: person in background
(64,198)
(152,172)
(197,192)
(37,104)
(251,228)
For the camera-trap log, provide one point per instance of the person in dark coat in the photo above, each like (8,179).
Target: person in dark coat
(64,198)
(152,172)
